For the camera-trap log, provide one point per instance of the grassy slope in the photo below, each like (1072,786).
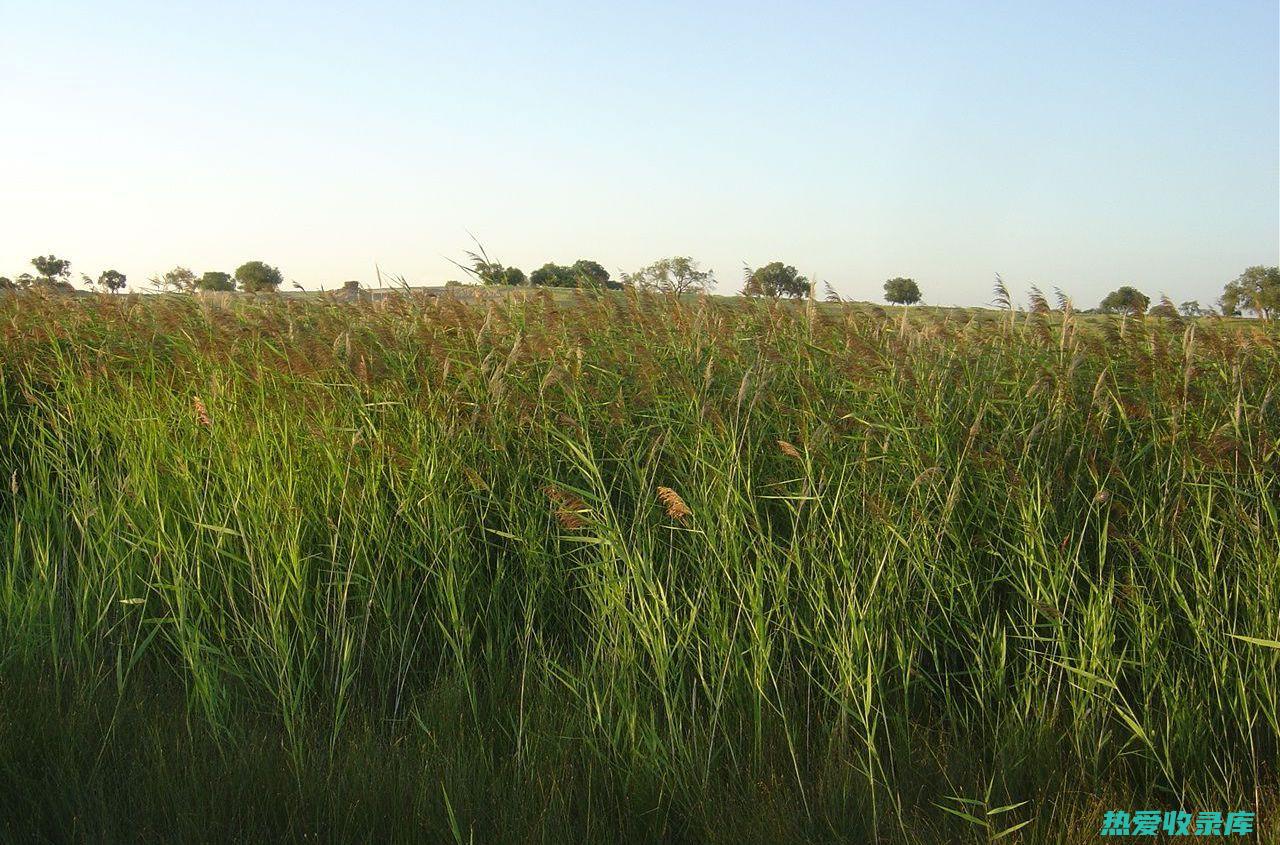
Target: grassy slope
(412,578)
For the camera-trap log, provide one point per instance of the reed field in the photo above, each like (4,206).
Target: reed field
(628,568)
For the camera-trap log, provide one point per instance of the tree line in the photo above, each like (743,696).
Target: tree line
(53,273)
(1255,291)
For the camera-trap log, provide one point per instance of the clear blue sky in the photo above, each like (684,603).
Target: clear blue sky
(1083,145)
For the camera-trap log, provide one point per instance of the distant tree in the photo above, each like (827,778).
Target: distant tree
(902,291)
(553,276)
(111,280)
(489,271)
(676,275)
(1191,308)
(52,269)
(1164,308)
(178,279)
(774,280)
(25,280)
(493,273)
(1125,299)
(258,277)
(1256,290)
(1229,303)
(589,274)
(213,280)
(514,276)
(6,283)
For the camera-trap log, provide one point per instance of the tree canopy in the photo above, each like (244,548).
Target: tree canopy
(258,277)
(213,280)
(583,273)
(112,280)
(51,268)
(493,273)
(902,291)
(775,280)
(676,275)
(1256,290)
(589,273)
(553,276)
(178,279)
(1125,299)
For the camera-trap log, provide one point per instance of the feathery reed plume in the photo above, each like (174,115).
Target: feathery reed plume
(1039,305)
(670,499)
(202,413)
(1064,301)
(1002,297)
(787,449)
(831,295)
(567,507)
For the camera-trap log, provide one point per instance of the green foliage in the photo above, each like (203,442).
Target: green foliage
(258,277)
(774,280)
(51,268)
(490,272)
(1125,299)
(676,275)
(493,273)
(590,274)
(902,291)
(554,276)
(1256,290)
(636,569)
(582,274)
(111,280)
(212,280)
(514,276)
(179,279)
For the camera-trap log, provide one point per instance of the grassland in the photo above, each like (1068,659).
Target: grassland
(630,569)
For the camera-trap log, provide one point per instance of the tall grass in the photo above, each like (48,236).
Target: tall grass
(630,569)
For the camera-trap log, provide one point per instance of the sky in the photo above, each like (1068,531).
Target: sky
(1075,144)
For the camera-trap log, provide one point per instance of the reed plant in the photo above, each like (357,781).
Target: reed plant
(630,568)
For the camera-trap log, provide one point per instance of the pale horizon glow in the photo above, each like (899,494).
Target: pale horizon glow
(1074,145)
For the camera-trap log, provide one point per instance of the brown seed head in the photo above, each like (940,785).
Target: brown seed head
(202,413)
(567,507)
(670,499)
(788,450)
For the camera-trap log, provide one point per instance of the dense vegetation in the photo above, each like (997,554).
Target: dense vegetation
(634,568)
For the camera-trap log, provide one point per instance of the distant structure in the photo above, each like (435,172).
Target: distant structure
(351,292)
